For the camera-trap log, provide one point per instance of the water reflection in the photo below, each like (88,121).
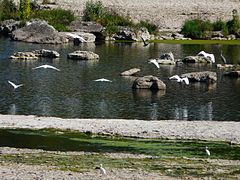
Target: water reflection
(139,94)
(12,109)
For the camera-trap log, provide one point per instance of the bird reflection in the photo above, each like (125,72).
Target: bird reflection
(146,93)
(206,111)
(12,109)
(154,111)
(181,113)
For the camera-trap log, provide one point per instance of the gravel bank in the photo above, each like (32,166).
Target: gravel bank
(167,14)
(199,130)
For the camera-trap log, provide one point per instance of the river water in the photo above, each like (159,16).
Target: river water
(72,93)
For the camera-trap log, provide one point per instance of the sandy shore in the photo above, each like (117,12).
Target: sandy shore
(199,130)
(167,14)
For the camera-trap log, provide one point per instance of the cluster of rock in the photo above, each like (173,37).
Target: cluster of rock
(203,76)
(35,54)
(76,55)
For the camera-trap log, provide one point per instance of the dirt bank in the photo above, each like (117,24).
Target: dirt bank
(200,130)
(167,14)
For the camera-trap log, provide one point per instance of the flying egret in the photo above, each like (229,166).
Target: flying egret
(176,77)
(103,170)
(102,80)
(154,61)
(207,151)
(144,42)
(207,55)
(45,66)
(223,58)
(15,86)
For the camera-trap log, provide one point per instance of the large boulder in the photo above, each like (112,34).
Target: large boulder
(130,72)
(83,55)
(9,26)
(204,76)
(79,37)
(148,82)
(38,32)
(83,26)
(125,33)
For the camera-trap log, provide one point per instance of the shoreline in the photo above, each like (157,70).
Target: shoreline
(227,131)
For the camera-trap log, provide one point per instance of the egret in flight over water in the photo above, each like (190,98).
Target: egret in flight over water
(45,66)
(176,77)
(102,80)
(154,61)
(15,86)
(144,42)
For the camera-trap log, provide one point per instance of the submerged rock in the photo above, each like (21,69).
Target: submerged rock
(130,72)
(196,59)
(148,82)
(235,74)
(83,55)
(204,76)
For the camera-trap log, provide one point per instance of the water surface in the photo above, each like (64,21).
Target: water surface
(72,93)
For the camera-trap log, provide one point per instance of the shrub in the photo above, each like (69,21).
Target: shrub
(58,18)
(234,25)
(152,29)
(220,25)
(8,10)
(93,11)
(196,28)
(24,9)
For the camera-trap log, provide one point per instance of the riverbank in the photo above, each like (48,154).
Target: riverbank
(171,129)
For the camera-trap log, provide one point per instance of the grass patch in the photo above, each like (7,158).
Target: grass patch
(58,18)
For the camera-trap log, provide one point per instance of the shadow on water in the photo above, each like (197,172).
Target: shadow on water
(70,141)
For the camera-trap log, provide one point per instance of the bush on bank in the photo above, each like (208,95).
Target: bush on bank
(198,29)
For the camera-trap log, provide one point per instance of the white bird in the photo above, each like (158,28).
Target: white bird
(207,151)
(102,80)
(103,170)
(75,36)
(154,61)
(176,77)
(45,66)
(223,58)
(15,86)
(207,55)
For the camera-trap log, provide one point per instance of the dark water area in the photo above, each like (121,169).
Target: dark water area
(72,93)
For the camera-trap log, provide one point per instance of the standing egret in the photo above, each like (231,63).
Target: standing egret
(15,86)
(207,151)
(176,77)
(102,80)
(223,58)
(154,61)
(103,170)
(45,66)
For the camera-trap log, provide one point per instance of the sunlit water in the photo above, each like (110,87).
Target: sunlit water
(72,93)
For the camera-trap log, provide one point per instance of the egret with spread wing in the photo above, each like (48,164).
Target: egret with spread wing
(102,80)
(15,86)
(154,61)
(45,66)
(176,77)
(144,42)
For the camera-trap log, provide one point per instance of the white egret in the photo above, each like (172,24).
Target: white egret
(45,66)
(176,77)
(102,80)
(223,58)
(154,61)
(15,86)
(207,151)
(144,42)
(103,170)
(207,55)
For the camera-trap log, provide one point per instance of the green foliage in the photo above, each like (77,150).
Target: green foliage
(58,18)
(24,9)
(152,29)
(220,25)
(93,11)
(234,25)
(8,10)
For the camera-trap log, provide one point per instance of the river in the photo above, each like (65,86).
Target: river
(72,93)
